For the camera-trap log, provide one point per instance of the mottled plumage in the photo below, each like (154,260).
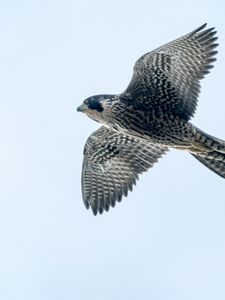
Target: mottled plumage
(112,163)
(149,117)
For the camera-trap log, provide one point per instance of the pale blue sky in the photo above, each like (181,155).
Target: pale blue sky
(167,239)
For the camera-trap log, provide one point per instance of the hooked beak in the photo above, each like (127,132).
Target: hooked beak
(82,107)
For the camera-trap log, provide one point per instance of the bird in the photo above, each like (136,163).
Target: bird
(152,115)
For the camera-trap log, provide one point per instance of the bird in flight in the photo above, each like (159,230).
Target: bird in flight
(151,116)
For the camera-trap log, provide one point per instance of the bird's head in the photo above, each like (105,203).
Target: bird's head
(97,107)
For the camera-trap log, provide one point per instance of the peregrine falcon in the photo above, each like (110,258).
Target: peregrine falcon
(151,116)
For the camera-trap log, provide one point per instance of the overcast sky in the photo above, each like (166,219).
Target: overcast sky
(167,239)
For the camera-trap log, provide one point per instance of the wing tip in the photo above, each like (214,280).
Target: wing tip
(200,30)
(94,210)
(107,205)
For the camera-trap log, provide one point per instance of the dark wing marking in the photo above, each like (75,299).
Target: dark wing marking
(169,76)
(111,165)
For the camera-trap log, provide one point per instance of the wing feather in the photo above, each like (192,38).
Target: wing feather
(168,78)
(111,165)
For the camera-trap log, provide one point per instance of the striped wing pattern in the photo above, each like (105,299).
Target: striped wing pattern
(111,166)
(169,76)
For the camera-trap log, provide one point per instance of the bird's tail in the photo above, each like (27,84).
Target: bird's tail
(210,151)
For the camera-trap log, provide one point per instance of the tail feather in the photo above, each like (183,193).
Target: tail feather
(217,166)
(207,142)
(210,151)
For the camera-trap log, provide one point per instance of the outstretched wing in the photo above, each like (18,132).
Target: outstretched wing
(111,165)
(168,78)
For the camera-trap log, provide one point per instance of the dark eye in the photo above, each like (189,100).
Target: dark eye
(95,105)
(86,101)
